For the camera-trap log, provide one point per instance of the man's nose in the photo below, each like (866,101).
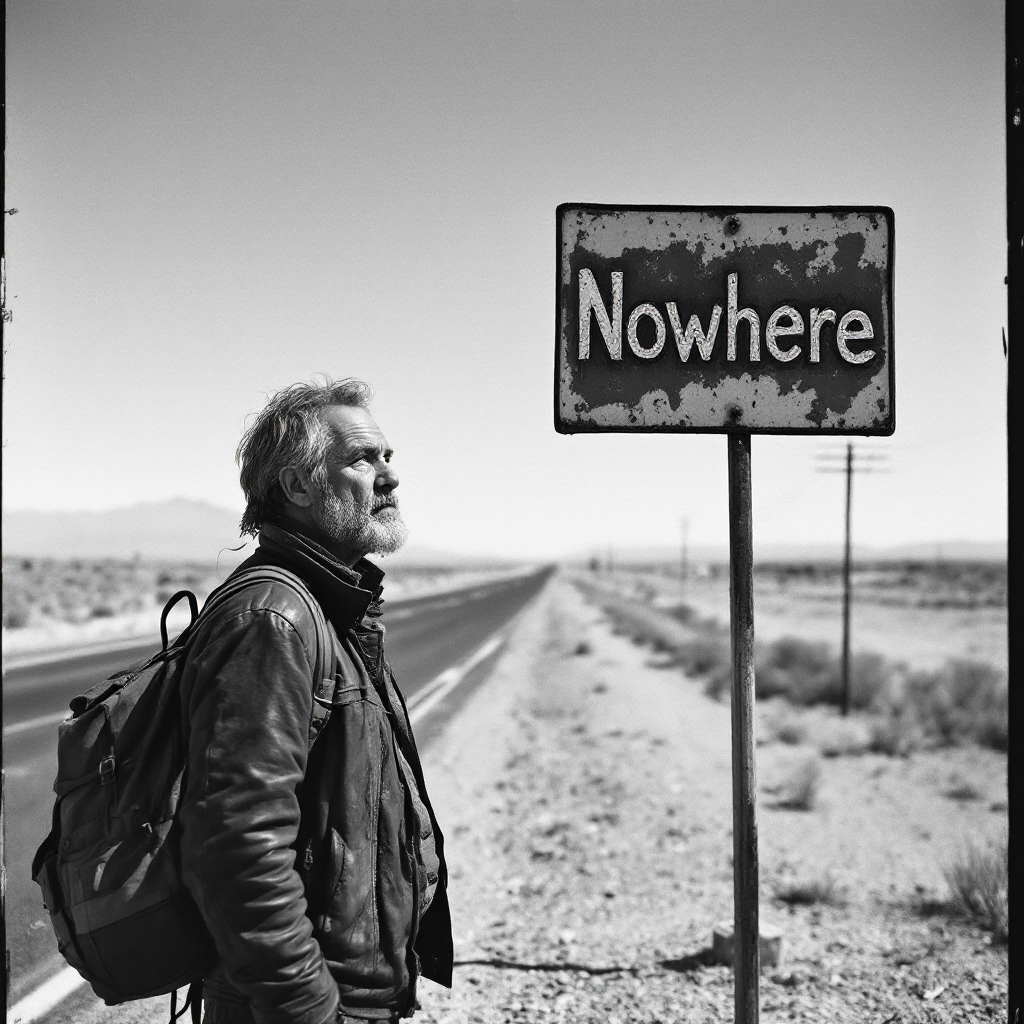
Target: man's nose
(387,478)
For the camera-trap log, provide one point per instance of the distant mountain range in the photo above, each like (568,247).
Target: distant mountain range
(179,529)
(176,529)
(182,529)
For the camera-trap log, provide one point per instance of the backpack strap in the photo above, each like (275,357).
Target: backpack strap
(193,1000)
(324,680)
(174,599)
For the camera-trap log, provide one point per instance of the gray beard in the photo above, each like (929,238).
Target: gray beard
(356,529)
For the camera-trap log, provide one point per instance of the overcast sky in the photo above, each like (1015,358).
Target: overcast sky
(219,198)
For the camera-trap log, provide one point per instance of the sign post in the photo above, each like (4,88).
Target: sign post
(736,321)
(746,932)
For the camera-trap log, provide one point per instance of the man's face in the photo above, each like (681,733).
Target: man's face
(357,509)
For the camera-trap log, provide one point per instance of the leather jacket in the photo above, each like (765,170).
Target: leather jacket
(306,863)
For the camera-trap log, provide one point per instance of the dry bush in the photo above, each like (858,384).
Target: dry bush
(977,881)
(803,671)
(844,737)
(811,673)
(684,613)
(969,701)
(963,789)
(808,892)
(701,652)
(896,735)
(17,612)
(799,791)
(36,590)
(703,657)
(964,701)
(719,682)
(871,678)
(792,731)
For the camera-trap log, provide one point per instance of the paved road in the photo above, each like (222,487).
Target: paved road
(426,636)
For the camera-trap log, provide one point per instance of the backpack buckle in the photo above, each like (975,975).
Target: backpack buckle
(107,767)
(325,686)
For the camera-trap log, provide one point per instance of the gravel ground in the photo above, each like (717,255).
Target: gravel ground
(586,792)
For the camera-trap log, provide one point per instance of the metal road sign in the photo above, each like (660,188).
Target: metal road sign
(754,319)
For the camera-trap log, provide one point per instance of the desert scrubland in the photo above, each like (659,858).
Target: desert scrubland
(53,603)
(586,791)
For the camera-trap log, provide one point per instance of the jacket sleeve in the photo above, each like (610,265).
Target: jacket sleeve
(248,706)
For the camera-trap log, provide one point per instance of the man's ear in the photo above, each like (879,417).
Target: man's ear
(296,486)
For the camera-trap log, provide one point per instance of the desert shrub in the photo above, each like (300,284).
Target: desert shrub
(803,671)
(962,789)
(811,673)
(977,880)
(718,683)
(684,613)
(703,656)
(77,590)
(844,737)
(871,678)
(791,731)
(812,891)
(699,652)
(963,700)
(895,734)
(799,791)
(17,612)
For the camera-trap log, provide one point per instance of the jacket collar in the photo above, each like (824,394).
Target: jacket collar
(344,593)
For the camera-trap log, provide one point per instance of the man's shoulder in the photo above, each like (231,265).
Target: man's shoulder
(263,592)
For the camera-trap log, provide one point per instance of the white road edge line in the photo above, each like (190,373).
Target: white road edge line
(437,689)
(36,723)
(61,985)
(62,654)
(38,1003)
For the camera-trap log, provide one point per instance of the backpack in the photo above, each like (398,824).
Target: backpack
(110,869)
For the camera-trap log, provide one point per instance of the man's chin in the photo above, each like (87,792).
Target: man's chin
(388,532)
(388,546)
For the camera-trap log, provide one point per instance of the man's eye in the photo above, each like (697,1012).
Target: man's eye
(371,457)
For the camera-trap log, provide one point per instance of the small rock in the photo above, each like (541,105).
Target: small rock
(770,945)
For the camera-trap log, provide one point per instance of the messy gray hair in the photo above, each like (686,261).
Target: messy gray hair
(289,431)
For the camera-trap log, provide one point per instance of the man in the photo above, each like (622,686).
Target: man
(318,868)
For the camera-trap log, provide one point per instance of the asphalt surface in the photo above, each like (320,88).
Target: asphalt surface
(425,637)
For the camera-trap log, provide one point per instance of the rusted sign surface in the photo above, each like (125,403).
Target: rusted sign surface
(768,320)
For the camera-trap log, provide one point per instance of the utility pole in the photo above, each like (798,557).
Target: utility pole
(846,582)
(831,464)
(1013,350)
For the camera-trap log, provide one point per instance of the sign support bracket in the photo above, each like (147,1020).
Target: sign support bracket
(746,931)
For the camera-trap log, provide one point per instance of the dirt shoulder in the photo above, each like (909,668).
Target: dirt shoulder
(585,793)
